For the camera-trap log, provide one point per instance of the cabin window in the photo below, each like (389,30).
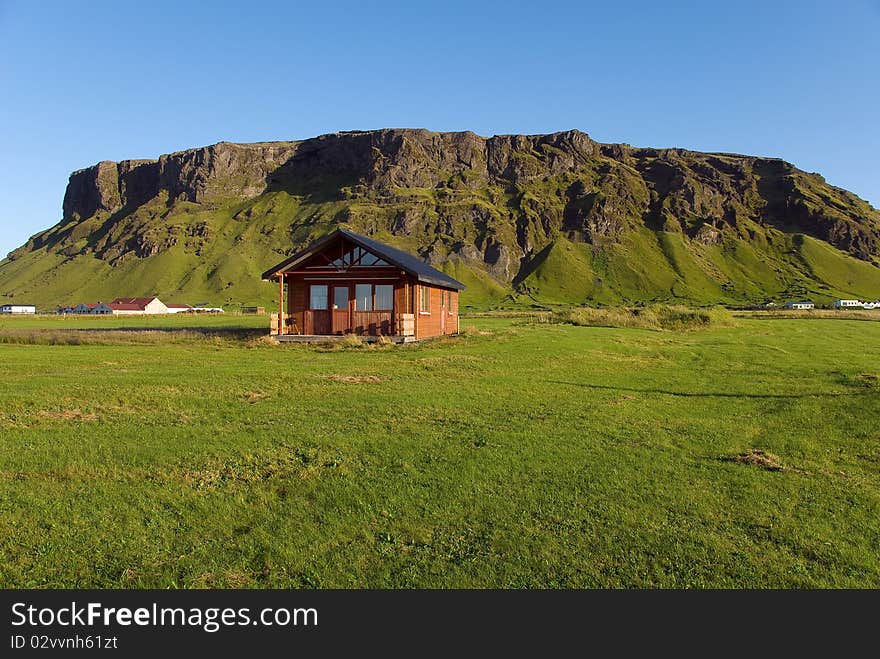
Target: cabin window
(384,297)
(363,297)
(318,296)
(424,299)
(340,297)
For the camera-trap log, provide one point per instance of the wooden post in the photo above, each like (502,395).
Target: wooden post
(280,303)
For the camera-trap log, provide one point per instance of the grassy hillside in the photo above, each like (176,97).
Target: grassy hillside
(608,458)
(522,220)
(644,265)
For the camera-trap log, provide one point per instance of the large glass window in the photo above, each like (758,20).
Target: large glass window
(318,296)
(424,298)
(384,297)
(340,297)
(363,297)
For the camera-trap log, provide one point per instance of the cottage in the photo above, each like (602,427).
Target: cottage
(18,308)
(347,283)
(806,304)
(127,306)
(848,304)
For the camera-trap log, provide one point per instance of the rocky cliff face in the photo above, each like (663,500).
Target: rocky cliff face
(493,203)
(215,172)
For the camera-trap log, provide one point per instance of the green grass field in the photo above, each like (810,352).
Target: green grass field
(517,455)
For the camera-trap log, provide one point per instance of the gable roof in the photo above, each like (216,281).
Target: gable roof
(403,260)
(132,303)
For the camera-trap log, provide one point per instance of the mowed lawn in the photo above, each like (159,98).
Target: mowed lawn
(520,456)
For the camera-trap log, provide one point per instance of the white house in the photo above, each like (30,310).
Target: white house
(129,306)
(806,304)
(872,305)
(848,304)
(18,308)
(178,308)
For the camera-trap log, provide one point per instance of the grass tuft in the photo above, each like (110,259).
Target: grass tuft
(656,317)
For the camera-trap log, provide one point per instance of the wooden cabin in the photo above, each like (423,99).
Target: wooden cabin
(346,283)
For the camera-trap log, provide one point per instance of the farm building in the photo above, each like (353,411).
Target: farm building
(178,308)
(18,308)
(805,304)
(848,304)
(97,308)
(123,306)
(346,283)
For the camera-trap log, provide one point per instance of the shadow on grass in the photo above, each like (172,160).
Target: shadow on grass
(700,394)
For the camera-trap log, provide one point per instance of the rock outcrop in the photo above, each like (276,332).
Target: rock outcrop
(496,203)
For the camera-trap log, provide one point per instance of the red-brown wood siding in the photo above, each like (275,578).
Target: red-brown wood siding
(441,318)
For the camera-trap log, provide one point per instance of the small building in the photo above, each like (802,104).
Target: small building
(129,306)
(872,305)
(18,308)
(346,283)
(178,308)
(848,304)
(805,304)
(95,309)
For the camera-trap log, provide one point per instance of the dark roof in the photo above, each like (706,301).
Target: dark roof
(141,302)
(403,260)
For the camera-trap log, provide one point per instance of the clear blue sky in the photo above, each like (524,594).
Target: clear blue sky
(89,81)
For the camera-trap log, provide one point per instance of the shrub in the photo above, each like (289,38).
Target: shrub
(655,317)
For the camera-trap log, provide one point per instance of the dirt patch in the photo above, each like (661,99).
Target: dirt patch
(255,396)
(757,458)
(869,379)
(74,414)
(354,379)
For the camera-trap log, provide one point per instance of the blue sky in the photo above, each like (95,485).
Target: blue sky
(83,82)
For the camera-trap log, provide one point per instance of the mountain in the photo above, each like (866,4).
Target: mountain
(521,219)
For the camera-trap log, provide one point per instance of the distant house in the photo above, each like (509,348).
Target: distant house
(202,309)
(848,304)
(95,309)
(65,309)
(100,309)
(872,305)
(805,304)
(18,308)
(130,306)
(178,308)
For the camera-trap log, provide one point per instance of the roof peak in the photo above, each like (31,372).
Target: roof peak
(411,263)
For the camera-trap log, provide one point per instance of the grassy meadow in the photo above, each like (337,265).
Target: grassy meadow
(520,454)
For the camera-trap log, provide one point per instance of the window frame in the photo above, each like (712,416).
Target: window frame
(376,297)
(424,299)
(312,306)
(370,297)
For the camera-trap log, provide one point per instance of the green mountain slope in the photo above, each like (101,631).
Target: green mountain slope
(522,220)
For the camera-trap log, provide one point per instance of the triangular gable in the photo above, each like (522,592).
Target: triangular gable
(385,254)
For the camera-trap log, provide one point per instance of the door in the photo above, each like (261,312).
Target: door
(341,309)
